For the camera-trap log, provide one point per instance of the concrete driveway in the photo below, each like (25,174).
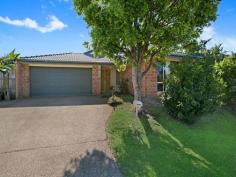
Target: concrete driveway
(55,137)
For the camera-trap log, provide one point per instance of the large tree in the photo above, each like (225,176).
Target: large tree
(134,32)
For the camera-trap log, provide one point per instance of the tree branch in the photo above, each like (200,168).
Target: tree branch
(149,65)
(125,50)
(172,3)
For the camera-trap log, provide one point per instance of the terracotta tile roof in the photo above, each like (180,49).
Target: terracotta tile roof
(80,58)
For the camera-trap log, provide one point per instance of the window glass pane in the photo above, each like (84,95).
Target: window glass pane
(160,72)
(160,87)
(161,75)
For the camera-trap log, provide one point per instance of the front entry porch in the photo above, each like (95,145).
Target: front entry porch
(109,79)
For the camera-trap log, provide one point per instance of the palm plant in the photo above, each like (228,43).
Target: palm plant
(7,64)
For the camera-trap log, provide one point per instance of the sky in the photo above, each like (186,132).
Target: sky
(38,27)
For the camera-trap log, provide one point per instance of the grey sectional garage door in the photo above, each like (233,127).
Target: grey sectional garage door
(46,81)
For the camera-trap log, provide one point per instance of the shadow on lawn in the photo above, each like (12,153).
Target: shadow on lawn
(168,138)
(95,163)
(160,153)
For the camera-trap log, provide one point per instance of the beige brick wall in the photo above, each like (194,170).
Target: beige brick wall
(149,83)
(127,75)
(96,80)
(149,86)
(22,80)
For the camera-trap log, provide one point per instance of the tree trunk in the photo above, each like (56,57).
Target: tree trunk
(137,82)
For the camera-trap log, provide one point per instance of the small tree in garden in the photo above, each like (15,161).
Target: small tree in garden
(226,72)
(134,32)
(7,63)
(192,88)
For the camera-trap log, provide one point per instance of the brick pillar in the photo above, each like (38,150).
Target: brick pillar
(22,80)
(18,80)
(96,80)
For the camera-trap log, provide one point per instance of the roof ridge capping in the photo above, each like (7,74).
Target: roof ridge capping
(46,55)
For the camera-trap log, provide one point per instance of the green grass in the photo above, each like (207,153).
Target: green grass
(164,147)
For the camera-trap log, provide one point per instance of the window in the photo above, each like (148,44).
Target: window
(162,71)
(161,75)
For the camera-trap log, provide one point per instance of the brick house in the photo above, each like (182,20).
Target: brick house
(71,74)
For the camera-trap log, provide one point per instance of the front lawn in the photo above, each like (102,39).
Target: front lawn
(164,147)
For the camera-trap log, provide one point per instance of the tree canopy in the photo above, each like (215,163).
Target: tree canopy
(142,31)
(7,63)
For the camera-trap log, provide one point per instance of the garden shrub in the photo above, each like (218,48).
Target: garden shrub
(226,72)
(114,100)
(191,88)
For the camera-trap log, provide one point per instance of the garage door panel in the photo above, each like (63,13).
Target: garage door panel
(60,81)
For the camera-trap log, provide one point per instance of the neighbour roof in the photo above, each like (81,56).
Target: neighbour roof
(181,55)
(69,58)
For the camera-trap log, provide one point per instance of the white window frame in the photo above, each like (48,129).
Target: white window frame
(166,71)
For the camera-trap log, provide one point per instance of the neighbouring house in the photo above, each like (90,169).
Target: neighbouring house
(72,74)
